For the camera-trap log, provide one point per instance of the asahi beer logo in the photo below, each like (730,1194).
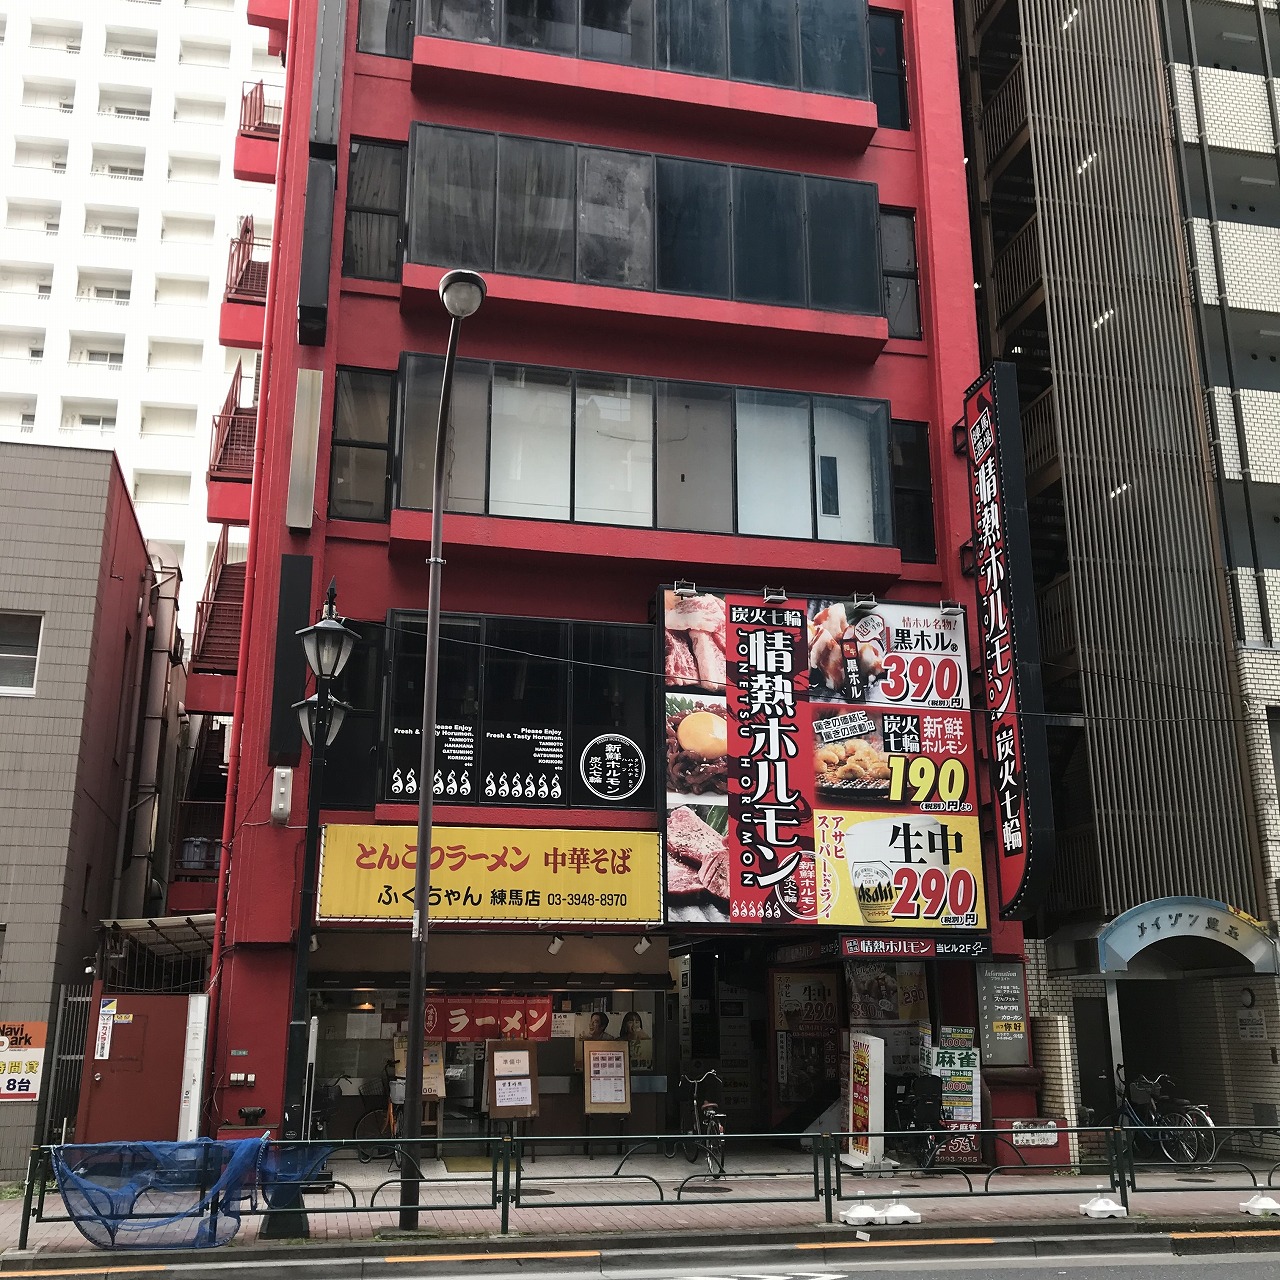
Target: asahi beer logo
(612,767)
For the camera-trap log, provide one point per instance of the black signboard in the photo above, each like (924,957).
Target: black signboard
(1002,1015)
(531,712)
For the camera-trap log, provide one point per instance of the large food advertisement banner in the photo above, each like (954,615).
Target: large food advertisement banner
(517,875)
(818,764)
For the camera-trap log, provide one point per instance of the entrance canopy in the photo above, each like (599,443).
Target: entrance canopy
(1185,935)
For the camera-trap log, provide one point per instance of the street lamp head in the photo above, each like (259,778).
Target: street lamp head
(307,711)
(462,292)
(327,643)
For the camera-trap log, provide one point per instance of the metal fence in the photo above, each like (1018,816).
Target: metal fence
(67,1060)
(505,1176)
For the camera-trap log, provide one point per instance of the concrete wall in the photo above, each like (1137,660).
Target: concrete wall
(71,551)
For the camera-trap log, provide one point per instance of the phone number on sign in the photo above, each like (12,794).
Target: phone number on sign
(586,899)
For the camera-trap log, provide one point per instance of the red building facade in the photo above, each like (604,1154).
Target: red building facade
(729,326)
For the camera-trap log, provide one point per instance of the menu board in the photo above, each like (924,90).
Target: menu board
(1002,1005)
(511,1080)
(819,765)
(607,1078)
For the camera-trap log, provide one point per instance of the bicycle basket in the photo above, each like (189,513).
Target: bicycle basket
(395,1091)
(372,1090)
(1140,1095)
(327,1096)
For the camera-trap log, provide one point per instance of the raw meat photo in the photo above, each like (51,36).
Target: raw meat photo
(698,865)
(695,630)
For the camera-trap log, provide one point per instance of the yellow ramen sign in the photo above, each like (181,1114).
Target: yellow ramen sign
(506,875)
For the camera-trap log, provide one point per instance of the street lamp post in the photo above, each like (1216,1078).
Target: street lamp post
(462,292)
(328,645)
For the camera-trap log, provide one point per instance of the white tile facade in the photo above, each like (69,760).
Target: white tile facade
(1261,412)
(1237,116)
(1251,260)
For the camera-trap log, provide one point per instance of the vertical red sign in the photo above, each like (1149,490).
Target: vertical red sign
(772,874)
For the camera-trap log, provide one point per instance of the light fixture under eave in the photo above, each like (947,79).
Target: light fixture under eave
(684,588)
(553,947)
(861,605)
(462,292)
(951,609)
(775,595)
(642,946)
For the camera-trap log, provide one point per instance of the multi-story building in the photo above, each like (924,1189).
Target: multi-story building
(1124,187)
(727,332)
(117,126)
(90,686)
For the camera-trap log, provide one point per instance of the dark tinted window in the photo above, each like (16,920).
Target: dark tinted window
(912,491)
(833,46)
(386,27)
(618,31)
(461,19)
(360,464)
(375,198)
(525,676)
(693,227)
(351,759)
(842,246)
(888,70)
(548,25)
(768,237)
(615,218)
(763,41)
(535,208)
(419,413)
(691,36)
(901,274)
(453,197)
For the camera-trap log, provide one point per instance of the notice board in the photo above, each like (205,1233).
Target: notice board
(511,1079)
(606,1078)
(1002,1015)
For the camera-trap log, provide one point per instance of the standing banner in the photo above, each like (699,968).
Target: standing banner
(866,1100)
(819,764)
(1016,741)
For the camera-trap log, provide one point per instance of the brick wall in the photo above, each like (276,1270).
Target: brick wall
(1055,1055)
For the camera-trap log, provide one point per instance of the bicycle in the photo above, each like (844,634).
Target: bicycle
(917,1118)
(705,1132)
(1145,1110)
(378,1130)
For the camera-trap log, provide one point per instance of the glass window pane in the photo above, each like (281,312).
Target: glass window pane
(548,25)
(618,31)
(452,200)
(844,271)
(833,47)
(902,306)
(362,405)
(419,412)
(375,176)
(898,241)
(530,449)
(768,237)
(535,208)
(526,677)
(462,19)
(695,457)
(351,761)
(851,460)
(20,633)
(612,693)
(912,492)
(358,484)
(691,37)
(613,460)
(371,247)
(888,77)
(386,27)
(693,227)
(774,484)
(762,41)
(615,218)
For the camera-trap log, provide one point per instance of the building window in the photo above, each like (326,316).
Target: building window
(520,702)
(360,468)
(459,19)
(19,650)
(889,70)
(351,762)
(912,492)
(386,27)
(593,448)
(634,221)
(375,197)
(901,274)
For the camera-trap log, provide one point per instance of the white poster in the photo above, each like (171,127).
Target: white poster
(511,1062)
(562,1026)
(509,1092)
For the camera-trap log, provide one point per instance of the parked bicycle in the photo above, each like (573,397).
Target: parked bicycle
(915,1103)
(704,1130)
(1182,1130)
(378,1130)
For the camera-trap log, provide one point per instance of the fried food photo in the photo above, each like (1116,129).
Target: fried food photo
(857,764)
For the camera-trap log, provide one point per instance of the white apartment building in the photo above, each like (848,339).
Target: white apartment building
(118,120)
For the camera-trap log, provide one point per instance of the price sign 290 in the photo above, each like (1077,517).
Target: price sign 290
(933,893)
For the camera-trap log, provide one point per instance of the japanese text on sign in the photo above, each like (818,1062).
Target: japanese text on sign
(22,1047)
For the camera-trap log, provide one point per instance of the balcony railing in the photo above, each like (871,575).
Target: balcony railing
(248,266)
(1057,613)
(234,428)
(1039,432)
(1016,271)
(260,115)
(1005,114)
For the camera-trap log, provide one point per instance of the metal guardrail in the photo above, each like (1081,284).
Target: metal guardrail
(1005,114)
(1015,272)
(502,1182)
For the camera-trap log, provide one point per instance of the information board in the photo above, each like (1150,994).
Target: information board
(606,1078)
(511,1079)
(1002,1007)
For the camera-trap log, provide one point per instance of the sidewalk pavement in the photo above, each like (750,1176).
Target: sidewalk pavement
(769,1191)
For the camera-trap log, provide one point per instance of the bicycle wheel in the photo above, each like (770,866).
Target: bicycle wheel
(713,1145)
(1178,1138)
(371,1136)
(690,1144)
(1144,1139)
(1206,1134)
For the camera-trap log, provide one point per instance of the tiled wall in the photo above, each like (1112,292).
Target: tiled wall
(1237,115)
